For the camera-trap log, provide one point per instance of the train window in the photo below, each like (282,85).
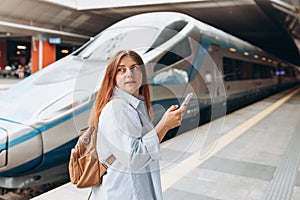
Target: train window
(230,74)
(168,32)
(171,76)
(241,70)
(294,74)
(263,71)
(289,72)
(177,53)
(113,40)
(256,71)
(177,74)
(246,70)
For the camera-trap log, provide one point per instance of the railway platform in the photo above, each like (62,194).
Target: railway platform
(252,153)
(6,83)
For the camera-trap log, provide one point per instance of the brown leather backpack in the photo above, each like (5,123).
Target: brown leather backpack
(85,169)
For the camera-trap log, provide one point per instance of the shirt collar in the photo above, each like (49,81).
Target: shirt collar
(128,97)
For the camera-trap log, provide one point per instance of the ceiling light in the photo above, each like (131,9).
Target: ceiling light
(65,51)
(21,47)
(232,49)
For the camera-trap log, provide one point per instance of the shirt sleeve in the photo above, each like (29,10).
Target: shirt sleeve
(124,136)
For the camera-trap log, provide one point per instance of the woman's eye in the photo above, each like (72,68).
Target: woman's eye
(135,67)
(121,70)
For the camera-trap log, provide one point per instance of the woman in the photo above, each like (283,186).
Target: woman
(122,112)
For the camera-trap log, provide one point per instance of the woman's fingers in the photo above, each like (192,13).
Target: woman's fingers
(173,108)
(173,116)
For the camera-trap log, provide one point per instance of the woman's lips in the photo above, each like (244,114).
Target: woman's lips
(130,82)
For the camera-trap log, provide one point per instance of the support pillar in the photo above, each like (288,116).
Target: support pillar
(3,56)
(42,54)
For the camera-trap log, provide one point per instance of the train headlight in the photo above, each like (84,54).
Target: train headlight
(3,147)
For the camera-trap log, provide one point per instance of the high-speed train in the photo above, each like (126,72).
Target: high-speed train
(41,115)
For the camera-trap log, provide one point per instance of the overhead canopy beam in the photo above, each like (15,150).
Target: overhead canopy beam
(42,30)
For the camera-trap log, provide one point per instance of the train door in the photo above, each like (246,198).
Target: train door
(214,74)
(279,74)
(214,81)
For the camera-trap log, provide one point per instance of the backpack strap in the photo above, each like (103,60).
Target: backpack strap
(110,158)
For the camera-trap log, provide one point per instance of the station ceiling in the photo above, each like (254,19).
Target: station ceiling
(273,25)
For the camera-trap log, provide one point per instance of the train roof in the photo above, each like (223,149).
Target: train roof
(153,19)
(162,20)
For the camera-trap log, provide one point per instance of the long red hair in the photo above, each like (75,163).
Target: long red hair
(109,83)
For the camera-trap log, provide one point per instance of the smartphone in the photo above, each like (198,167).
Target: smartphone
(186,99)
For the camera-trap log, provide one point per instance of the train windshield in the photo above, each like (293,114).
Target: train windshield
(112,40)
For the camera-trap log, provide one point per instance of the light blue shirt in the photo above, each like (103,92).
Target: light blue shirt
(126,132)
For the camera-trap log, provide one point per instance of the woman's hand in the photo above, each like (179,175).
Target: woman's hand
(171,119)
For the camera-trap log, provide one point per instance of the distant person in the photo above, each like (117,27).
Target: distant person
(122,113)
(14,66)
(20,71)
(8,68)
(7,71)
(27,71)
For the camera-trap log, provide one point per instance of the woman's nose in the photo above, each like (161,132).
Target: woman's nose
(129,73)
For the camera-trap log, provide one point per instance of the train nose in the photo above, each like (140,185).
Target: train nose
(3,147)
(21,148)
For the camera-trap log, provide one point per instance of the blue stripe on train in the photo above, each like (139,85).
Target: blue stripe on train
(51,159)
(60,155)
(46,127)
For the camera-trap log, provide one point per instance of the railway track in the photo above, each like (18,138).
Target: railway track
(27,193)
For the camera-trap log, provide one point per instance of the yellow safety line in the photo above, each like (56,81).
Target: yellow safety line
(173,175)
